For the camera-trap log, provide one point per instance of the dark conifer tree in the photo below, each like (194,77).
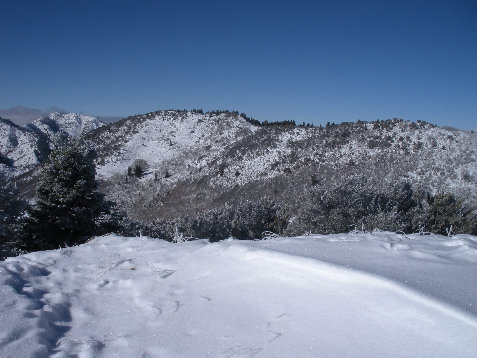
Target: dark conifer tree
(11,211)
(138,172)
(67,201)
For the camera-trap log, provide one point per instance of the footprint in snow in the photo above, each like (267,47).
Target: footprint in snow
(168,306)
(396,247)
(276,335)
(81,347)
(48,310)
(163,274)
(239,351)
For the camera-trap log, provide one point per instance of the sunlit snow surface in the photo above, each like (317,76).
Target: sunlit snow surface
(354,295)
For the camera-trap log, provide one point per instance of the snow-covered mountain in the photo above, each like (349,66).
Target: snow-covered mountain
(22,148)
(193,160)
(72,124)
(348,295)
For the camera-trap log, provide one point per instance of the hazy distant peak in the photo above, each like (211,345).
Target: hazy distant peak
(21,115)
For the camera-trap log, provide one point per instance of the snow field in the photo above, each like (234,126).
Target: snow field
(284,297)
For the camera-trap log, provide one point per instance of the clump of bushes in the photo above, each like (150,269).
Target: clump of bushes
(358,206)
(248,220)
(447,215)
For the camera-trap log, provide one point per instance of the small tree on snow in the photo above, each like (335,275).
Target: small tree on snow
(140,166)
(67,201)
(178,236)
(138,172)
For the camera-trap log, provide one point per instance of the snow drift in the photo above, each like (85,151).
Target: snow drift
(354,295)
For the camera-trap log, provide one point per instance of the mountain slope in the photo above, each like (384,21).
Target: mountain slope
(194,161)
(22,148)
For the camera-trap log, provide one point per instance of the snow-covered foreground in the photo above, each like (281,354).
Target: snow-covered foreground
(354,295)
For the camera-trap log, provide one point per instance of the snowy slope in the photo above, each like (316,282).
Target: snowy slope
(18,147)
(170,140)
(286,297)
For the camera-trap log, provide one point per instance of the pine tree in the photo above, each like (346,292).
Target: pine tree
(67,201)
(138,172)
(11,211)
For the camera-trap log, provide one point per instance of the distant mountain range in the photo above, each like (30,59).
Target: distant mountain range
(192,161)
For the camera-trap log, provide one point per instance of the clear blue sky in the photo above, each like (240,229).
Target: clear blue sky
(312,61)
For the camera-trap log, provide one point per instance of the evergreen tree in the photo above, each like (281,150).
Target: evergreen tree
(11,212)
(67,201)
(138,171)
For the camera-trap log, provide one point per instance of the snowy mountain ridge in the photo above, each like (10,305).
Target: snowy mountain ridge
(22,148)
(193,160)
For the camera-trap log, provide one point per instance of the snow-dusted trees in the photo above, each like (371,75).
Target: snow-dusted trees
(355,205)
(447,215)
(247,220)
(67,201)
(138,168)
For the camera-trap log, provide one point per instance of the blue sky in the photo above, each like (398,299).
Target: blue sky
(311,61)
